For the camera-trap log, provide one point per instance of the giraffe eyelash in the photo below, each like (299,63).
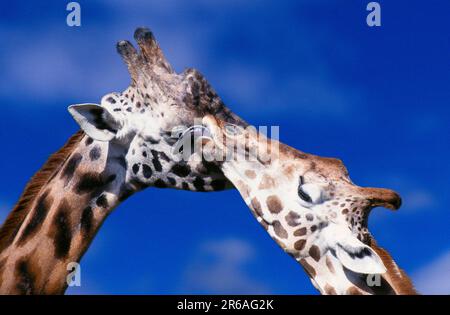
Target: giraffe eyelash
(302,180)
(303,195)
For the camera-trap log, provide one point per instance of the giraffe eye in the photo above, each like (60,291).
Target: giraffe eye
(310,193)
(303,195)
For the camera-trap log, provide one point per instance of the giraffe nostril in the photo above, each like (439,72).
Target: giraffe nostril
(397,201)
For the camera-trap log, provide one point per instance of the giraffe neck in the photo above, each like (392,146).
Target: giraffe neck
(326,272)
(54,224)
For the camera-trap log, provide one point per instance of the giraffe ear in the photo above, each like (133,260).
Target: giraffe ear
(358,257)
(351,252)
(96,121)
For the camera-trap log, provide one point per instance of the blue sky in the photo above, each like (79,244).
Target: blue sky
(378,98)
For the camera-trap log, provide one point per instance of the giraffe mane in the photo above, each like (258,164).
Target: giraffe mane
(12,223)
(395,276)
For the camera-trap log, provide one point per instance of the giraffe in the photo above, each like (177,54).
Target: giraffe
(125,145)
(310,207)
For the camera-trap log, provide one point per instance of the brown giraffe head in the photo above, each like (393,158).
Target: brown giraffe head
(307,203)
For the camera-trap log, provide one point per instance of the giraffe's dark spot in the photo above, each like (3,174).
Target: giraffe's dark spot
(300,232)
(345,211)
(86,220)
(330,290)
(25,278)
(329,264)
(164,156)
(314,252)
(300,244)
(308,268)
(71,166)
(144,153)
(95,153)
(181,169)
(147,171)
(37,217)
(111,100)
(155,160)
(313,228)
(172,181)
(323,225)
(211,168)
(135,168)
(117,109)
(159,183)
(149,139)
(353,291)
(309,217)
(157,165)
(274,204)
(61,231)
(267,182)
(292,218)
(199,184)
(185,186)
(218,184)
(102,201)
(279,230)
(89,141)
(129,109)
(256,207)
(93,182)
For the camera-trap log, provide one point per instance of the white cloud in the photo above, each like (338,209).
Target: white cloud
(434,278)
(54,63)
(219,267)
(419,199)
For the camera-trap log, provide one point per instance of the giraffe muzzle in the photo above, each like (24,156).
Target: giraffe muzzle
(380,197)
